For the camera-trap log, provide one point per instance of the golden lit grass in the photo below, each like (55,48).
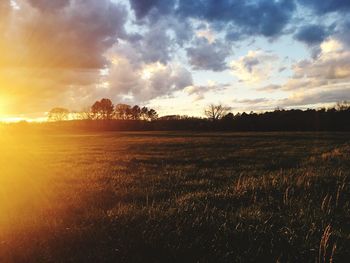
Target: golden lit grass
(174,197)
(25,188)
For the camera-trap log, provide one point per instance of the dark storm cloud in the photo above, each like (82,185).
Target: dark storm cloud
(262,17)
(155,46)
(208,56)
(243,18)
(159,41)
(311,34)
(343,34)
(144,7)
(326,6)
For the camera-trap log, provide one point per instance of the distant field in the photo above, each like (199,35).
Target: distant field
(166,196)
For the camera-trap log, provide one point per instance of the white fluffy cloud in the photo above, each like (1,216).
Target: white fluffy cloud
(254,67)
(323,79)
(146,81)
(333,62)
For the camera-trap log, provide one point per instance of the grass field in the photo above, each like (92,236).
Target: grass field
(166,197)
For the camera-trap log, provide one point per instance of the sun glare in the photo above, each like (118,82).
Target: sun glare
(23,177)
(2,106)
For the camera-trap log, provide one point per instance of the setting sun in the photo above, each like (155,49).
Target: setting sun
(174,131)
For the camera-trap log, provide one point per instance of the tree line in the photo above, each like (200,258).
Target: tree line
(104,109)
(217,117)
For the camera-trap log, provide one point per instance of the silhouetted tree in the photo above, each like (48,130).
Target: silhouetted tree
(144,113)
(103,109)
(136,112)
(122,111)
(336,118)
(152,115)
(216,112)
(58,114)
(228,117)
(342,106)
(85,114)
(278,108)
(95,110)
(174,117)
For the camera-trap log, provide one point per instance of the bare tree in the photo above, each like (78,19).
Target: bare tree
(216,112)
(58,114)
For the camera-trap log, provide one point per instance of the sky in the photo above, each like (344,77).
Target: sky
(174,56)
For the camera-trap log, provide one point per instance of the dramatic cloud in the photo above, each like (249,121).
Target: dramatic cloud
(155,46)
(327,6)
(259,17)
(144,7)
(208,56)
(204,31)
(74,36)
(263,17)
(72,52)
(158,42)
(311,34)
(332,63)
(325,79)
(146,82)
(52,53)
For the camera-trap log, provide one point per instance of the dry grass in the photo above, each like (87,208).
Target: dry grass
(155,197)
